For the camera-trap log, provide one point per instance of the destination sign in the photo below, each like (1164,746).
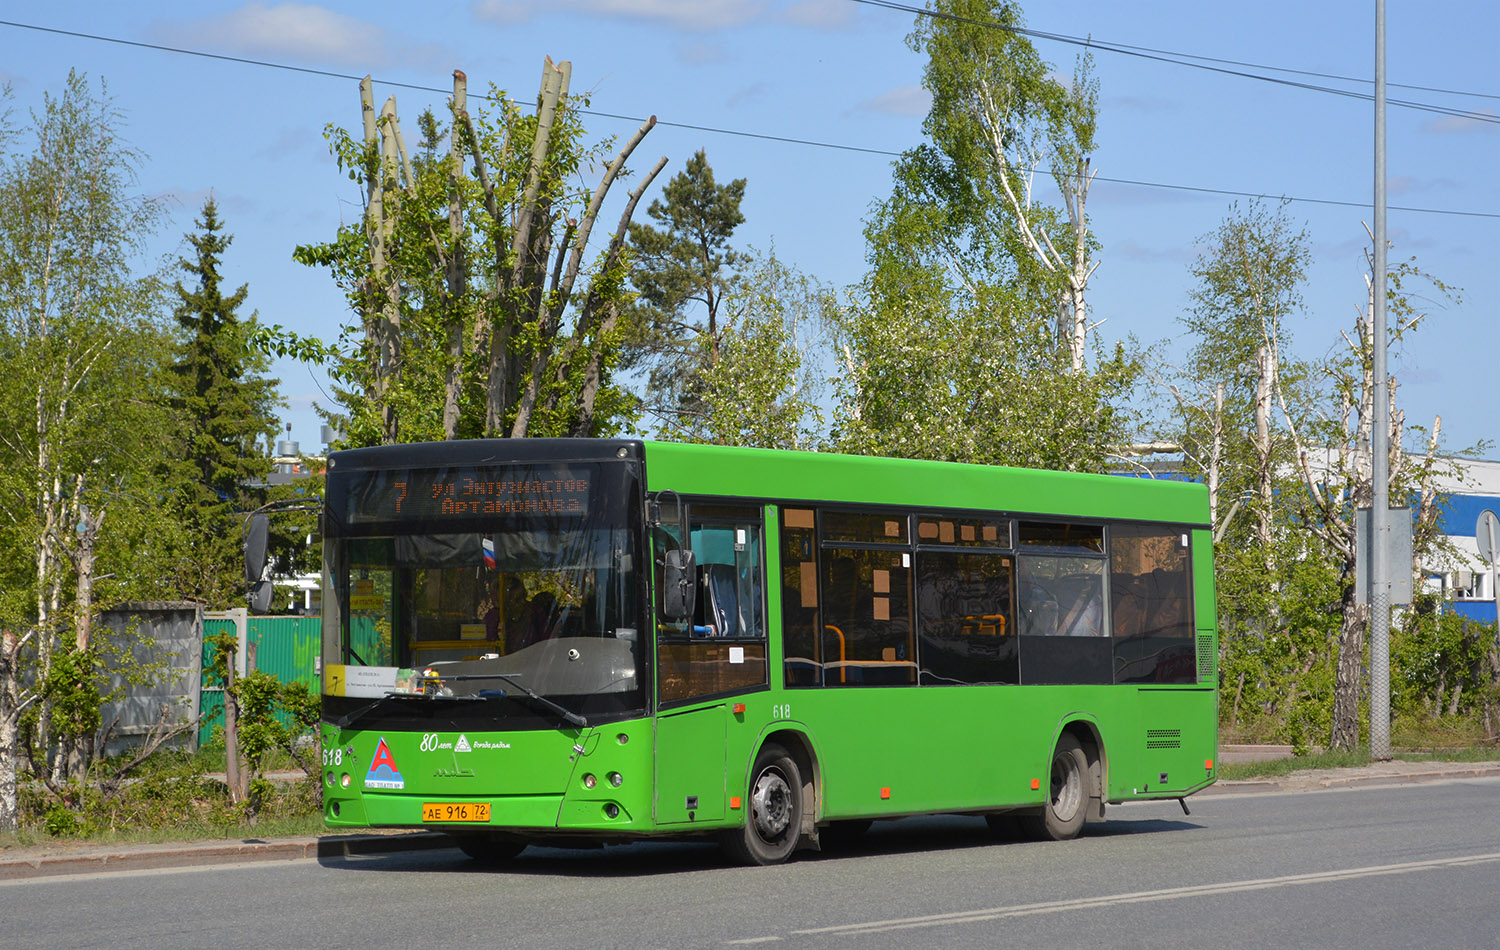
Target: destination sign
(438,494)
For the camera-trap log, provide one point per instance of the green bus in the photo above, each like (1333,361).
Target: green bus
(580,641)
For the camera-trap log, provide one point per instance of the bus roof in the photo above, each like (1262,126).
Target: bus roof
(853,479)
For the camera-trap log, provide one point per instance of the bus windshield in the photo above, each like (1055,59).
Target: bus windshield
(512,586)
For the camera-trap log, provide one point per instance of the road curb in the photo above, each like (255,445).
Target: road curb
(1405,778)
(143,858)
(1295,783)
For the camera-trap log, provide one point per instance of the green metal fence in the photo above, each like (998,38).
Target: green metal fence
(285,647)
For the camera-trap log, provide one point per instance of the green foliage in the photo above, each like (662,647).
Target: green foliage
(1277,677)
(176,798)
(72,688)
(61,822)
(928,376)
(1441,665)
(759,387)
(460,333)
(274,717)
(82,358)
(964,200)
(952,347)
(683,274)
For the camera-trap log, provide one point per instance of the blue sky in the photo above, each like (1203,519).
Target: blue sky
(838,72)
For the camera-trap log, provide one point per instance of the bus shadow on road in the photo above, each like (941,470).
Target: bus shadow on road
(906,836)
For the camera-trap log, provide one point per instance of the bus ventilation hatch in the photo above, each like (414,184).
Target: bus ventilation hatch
(1206,672)
(1163,738)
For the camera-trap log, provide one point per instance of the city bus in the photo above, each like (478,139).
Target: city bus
(584,641)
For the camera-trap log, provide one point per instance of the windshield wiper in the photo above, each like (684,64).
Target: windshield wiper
(538,698)
(359,712)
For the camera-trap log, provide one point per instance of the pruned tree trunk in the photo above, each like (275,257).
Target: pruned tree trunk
(457,265)
(1349,676)
(12,703)
(236,777)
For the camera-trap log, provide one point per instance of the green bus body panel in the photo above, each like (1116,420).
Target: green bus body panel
(532,780)
(690,764)
(812,476)
(873,751)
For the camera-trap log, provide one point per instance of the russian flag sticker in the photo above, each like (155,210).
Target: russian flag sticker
(489,553)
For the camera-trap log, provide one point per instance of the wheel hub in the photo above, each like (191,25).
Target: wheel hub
(771,804)
(1067,787)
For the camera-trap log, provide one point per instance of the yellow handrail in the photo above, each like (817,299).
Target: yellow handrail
(842,648)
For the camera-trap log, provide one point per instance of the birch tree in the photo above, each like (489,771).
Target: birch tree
(999,120)
(760,384)
(79,354)
(1334,461)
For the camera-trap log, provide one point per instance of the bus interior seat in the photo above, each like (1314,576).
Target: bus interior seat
(720,602)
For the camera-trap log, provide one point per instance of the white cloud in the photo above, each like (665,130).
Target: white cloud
(503,12)
(1146,104)
(751,93)
(903,100)
(296,144)
(703,54)
(298,31)
(684,14)
(1140,253)
(820,14)
(1484,121)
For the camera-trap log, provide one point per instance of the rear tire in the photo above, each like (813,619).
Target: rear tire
(1068,798)
(773,819)
(489,849)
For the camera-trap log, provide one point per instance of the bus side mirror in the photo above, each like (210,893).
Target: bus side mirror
(679,588)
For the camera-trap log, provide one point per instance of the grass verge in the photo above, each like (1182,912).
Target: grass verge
(1343,760)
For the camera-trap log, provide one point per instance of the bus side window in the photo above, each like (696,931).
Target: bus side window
(800,614)
(1150,586)
(723,648)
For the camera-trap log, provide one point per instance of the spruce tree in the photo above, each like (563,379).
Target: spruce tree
(683,274)
(226,407)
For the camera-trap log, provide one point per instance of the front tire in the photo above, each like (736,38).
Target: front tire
(773,823)
(1067,801)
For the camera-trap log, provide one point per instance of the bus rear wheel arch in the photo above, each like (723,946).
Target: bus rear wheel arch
(1072,791)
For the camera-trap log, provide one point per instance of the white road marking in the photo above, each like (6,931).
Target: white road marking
(1142,897)
(106,873)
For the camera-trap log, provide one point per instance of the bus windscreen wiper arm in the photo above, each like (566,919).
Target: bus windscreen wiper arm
(344,721)
(561,710)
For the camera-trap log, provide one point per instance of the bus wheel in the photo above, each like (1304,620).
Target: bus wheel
(489,849)
(1062,816)
(774,822)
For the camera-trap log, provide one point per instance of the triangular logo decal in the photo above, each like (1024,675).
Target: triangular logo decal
(383,772)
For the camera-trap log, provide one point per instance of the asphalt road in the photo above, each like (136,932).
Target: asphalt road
(1360,867)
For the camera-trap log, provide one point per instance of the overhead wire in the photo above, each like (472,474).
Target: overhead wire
(1142,52)
(1182,59)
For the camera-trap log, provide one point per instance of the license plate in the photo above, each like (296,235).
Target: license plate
(455,811)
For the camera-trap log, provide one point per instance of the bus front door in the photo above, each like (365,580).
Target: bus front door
(690,766)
